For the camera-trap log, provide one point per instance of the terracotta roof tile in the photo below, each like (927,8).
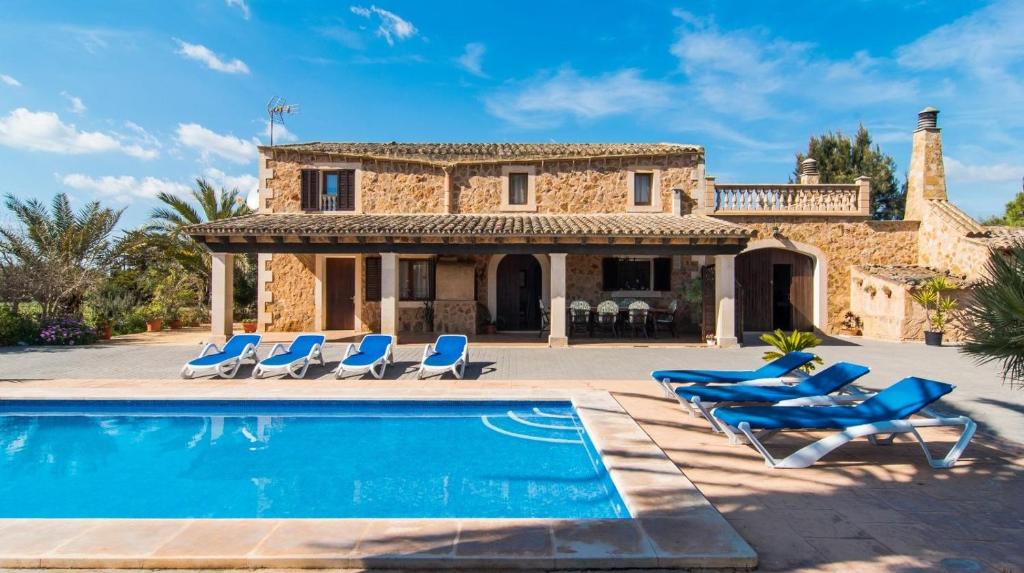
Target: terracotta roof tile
(1000,237)
(471,152)
(912,275)
(602,225)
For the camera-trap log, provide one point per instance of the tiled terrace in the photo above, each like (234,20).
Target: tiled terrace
(863,508)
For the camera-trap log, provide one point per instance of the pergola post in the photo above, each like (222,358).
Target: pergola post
(558,336)
(389,294)
(222,296)
(725,301)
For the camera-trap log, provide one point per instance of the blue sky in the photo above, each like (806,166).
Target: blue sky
(120,99)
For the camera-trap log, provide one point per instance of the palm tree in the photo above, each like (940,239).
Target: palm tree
(167,223)
(995,315)
(63,251)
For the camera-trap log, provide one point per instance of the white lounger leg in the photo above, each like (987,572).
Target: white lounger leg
(810,454)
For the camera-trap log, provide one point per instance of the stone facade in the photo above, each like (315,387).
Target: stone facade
(888,311)
(844,244)
(290,307)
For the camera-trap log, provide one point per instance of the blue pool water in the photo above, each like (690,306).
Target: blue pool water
(287,459)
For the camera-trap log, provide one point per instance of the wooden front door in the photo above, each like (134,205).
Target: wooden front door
(778,289)
(519,291)
(340,293)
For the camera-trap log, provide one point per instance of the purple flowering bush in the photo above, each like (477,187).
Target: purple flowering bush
(66,332)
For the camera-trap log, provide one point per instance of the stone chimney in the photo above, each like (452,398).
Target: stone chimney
(809,172)
(926,178)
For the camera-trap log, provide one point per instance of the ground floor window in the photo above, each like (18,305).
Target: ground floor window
(636,274)
(416,279)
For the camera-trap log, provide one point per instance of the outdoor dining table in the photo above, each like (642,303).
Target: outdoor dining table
(652,314)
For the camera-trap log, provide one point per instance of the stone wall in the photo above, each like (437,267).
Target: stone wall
(456,317)
(943,245)
(581,186)
(888,312)
(845,243)
(291,305)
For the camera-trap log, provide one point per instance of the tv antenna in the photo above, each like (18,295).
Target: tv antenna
(277,108)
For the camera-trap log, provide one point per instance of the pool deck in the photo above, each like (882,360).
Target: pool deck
(863,508)
(662,502)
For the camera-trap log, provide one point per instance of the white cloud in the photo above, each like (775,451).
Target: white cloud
(958,171)
(10,81)
(471,59)
(750,74)
(124,187)
(44,131)
(203,54)
(391,26)
(76,103)
(243,183)
(211,143)
(544,101)
(241,5)
(281,133)
(985,42)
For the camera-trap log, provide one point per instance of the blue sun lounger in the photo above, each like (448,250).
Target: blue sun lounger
(374,353)
(837,377)
(775,369)
(223,362)
(303,351)
(449,353)
(888,412)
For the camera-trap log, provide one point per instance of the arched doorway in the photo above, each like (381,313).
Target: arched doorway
(777,289)
(519,282)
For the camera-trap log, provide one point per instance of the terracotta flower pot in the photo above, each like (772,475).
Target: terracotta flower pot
(174,324)
(154,325)
(490,329)
(105,332)
(249,326)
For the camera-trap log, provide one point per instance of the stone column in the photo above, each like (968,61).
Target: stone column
(725,300)
(389,294)
(864,195)
(709,195)
(926,177)
(558,335)
(222,296)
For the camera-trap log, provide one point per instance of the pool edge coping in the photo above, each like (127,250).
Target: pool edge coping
(671,523)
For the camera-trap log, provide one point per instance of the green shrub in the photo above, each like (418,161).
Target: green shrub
(65,332)
(792,342)
(16,328)
(129,323)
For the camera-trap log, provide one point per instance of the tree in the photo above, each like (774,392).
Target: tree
(842,160)
(62,251)
(995,315)
(1014,213)
(168,222)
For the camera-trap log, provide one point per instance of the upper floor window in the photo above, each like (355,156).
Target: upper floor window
(518,188)
(644,189)
(333,190)
(643,184)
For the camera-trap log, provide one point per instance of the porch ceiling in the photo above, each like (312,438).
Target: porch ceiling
(461,233)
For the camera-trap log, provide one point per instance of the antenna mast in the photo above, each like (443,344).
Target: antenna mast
(277,108)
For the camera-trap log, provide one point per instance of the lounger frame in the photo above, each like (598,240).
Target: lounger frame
(377,368)
(458,368)
(296,368)
(224,369)
(808,455)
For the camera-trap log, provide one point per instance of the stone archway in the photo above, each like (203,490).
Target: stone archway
(492,281)
(817,305)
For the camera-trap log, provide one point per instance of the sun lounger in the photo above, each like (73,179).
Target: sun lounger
(770,373)
(223,362)
(887,413)
(294,361)
(449,353)
(374,353)
(832,379)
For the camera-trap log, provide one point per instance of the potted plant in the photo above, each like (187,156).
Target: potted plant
(709,339)
(428,316)
(248,317)
(792,342)
(153,312)
(691,297)
(937,306)
(852,324)
(484,321)
(107,304)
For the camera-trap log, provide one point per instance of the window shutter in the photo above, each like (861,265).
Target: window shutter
(310,190)
(609,274)
(433,280)
(347,190)
(372,278)
(663,274)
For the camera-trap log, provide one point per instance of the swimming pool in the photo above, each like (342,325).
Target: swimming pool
(299,459)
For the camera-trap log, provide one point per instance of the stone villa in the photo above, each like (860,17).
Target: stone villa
(401,237)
